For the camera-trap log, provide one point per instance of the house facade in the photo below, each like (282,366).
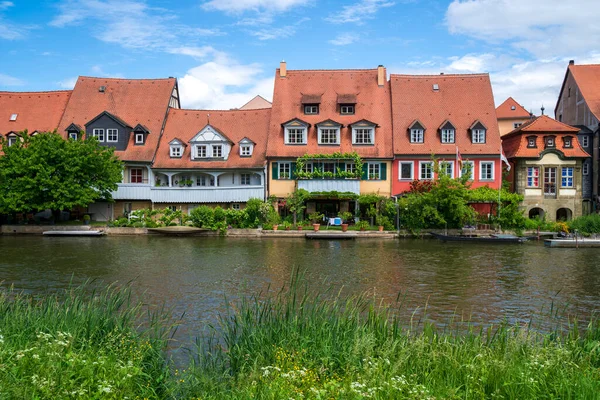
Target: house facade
(128,115)
(212,158)
(579,105)
(511,115)
(330,134)
(450,117)
(547,161)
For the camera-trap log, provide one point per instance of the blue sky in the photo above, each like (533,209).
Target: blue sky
(225,51)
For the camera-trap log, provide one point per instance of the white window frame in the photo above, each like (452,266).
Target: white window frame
(217,151)
(585,168)
(450,164)
(585,141)
(448,135)
(352,166)
(374,169)
(363,131)
(176,151)
(246,150)
(571,177)
(131,174)
(282,166)
(421,164)
(550,142)
(311,109)
(201,180)
(13,117)
(417,135)
(517,124)
(245,179)
(412,170)
(481,170)
(529,142)
(297,131)
(111,131)
(139,138)
(347,109)
(472,164)
(329,130)
(478,136)
(12,140)
(308,167)
(568,143)
(98,133)
(201,151)
(530,174)
(73,135)
(235,206)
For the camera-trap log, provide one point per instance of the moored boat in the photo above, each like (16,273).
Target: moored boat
(480,239)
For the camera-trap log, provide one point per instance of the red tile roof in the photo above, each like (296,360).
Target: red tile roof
(588,82)
(235,124)
(257,102)
(36,111)
(372,104)
(506,111)
(135,101)
(515,143)
(461,99)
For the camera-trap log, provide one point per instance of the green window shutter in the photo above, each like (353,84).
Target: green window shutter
(293,170)
(342,166)
(383,168)
(275,171)
(365,171)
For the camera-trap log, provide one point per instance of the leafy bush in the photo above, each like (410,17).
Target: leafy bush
(257,212)
(586,224)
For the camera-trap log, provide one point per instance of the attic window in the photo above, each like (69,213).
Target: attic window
(246,150)
(310,109)
(139,138)
(176,151)
(513,108)
(550,141)
(102,89)
(13,117)
(347,109)
(478,136)
(568,142)
(436,87)
(531,142)
(73,135)
(12,140)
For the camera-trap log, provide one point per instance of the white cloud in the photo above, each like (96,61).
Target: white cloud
(5,4)
(344,39)
(196,52)
(7,80)
(238,6)
(274,33)
(129,23)
(223,84)
(8,30)
(67,83)
(358,12)
(544,28)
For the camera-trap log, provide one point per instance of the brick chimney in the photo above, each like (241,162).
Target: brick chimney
(380,75)
(571,62)
(282,69)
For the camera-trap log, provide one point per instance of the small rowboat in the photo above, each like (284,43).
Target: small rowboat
(480,239)
(74,233)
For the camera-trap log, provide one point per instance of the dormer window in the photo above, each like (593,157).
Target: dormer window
(328,132)
(112,135)
(416,132)
(201,151)
(73,135)
(12,140)
(311,109)
(550,141)
(347,109)
(568,143)
(176,148)
(246,150)
(363,132)
(217,151)
(478,131)
(98,134)
(295,132)
(139,138)
(531,142)
(447,132)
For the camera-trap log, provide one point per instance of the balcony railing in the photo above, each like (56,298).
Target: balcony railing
(132,191)
(330,185)
(194,194)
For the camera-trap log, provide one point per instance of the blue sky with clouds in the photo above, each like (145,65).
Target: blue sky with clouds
(226,51)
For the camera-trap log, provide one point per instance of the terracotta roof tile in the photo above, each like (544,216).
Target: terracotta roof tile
(510,109)
(235,124)
(36,111)
(346,98)
(372,104)
(135,101)
(588,82)
(515,143)
(257,102)
(311,99)
(461,99)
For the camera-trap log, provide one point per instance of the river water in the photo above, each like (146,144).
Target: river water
(194,277)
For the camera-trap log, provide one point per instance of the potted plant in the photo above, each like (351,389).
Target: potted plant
(315,217)
(287,225)
(380,220)
(362,225)
(346,216)
(86,219)
(275,227)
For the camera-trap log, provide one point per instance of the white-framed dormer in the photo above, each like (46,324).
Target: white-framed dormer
(246,147)
(478,132)
(447,132)
(12,138)
(295,132)
(209,144)
(328,132)
(176,147)
(416,132)
(363,132)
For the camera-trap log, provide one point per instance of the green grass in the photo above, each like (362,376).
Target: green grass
(295,344)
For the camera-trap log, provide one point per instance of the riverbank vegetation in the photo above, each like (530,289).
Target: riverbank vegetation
(294,344)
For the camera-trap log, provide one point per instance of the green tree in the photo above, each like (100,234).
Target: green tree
(296,202)
(47,172)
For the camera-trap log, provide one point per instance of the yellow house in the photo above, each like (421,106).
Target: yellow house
(511,115)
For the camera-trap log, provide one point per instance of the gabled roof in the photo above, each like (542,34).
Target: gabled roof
(329,122)
(246,140)
(236,124)
(109,115)
(214,128)
(372,104)
(445,123)
(73,127)
(141,128)
(36,111)
(311,99)
(477,123)
(256,103)
(296,121)
(510,109)
(417,122)
(515,143)
(587,78)
(346,98)
(177,141)
(137,101)
(459,98)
